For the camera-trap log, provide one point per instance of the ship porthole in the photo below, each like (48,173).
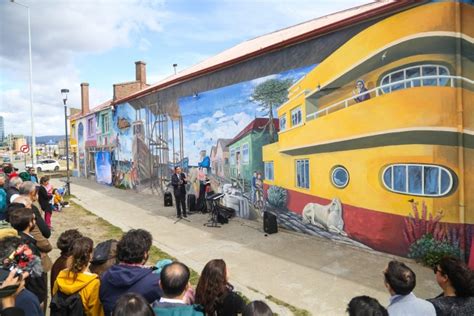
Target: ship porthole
(339,177)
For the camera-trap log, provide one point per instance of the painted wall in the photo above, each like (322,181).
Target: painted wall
(400,122)
(399,95)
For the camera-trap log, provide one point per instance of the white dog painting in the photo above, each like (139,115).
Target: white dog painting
(327,217)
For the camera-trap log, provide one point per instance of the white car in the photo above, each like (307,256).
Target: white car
(46,165)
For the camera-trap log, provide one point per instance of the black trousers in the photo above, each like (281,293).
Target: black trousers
(180,203)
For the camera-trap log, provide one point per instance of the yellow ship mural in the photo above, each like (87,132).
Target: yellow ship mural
(376,143)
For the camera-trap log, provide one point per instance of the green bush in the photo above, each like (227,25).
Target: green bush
(277,197)
(429,251)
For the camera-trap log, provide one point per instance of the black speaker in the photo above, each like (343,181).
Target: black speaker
(191,203)
(270,225)
(168,199)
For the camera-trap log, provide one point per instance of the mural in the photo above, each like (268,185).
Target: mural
(378,136)
(81,149)
(132,154)
(372,147)
(103,167)
(124,116)
(224,131)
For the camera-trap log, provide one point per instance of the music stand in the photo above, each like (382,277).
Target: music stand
(212,199)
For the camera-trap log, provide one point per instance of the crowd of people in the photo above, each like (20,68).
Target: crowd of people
(113,277)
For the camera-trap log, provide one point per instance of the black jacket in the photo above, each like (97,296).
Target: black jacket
(179,184)
(43,199)
(10,192)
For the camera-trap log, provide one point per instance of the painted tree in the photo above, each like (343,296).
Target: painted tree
(269,95)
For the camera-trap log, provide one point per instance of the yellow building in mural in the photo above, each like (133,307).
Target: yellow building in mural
(385,120)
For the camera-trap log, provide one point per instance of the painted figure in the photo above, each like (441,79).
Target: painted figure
(327,217)
(360,89)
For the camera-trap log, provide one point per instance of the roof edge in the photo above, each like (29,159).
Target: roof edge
(390,7)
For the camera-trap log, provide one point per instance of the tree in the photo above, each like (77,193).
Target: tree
(269,95)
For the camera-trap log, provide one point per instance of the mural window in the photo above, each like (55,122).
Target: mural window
(302,173)
(268,168)
(282,123)
(400,79)
(422,180)
(90,127)
(245,153)
(296,116)
(232,156)
(105,123)
(340,177)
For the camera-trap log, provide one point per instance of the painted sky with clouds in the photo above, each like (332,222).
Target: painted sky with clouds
(223,112)
(98,41)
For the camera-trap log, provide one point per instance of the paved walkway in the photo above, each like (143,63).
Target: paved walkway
(307,272)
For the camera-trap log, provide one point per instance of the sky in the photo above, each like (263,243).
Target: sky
(98,41)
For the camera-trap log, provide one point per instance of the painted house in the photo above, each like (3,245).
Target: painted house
(213,157)
(245,149)
(385,125)
(221,158)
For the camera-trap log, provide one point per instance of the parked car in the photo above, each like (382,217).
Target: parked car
(46,165)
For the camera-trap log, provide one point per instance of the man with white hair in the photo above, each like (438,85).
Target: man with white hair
(13,190)
(28,195)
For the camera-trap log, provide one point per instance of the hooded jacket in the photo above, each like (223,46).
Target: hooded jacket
(122,278)
(87,285)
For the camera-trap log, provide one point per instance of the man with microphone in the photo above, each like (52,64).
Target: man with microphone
(178,181)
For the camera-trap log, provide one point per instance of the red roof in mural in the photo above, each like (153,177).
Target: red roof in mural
(256,125)
(278,40)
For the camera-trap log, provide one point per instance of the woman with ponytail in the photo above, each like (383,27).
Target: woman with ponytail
(77,279)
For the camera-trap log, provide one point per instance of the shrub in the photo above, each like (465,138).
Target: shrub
(277,196)
(429,251)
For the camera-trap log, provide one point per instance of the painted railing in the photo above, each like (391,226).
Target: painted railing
(445,81)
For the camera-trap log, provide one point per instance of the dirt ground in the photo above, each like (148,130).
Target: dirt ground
(87,223)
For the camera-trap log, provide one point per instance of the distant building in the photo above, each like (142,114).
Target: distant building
(17,142)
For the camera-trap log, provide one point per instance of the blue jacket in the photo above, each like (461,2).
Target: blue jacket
(121,279)
(29,303)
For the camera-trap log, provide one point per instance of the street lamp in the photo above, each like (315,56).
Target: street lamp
(33,138)
(64,93)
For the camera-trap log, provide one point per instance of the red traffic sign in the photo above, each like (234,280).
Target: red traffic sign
(25,149)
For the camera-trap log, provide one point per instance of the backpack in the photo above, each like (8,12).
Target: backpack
(102,252)
(66,305)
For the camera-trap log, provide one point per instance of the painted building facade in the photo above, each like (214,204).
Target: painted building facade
(385,126)
(373,125)
(245,149)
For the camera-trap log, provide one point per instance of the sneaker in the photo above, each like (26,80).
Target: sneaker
(185,215)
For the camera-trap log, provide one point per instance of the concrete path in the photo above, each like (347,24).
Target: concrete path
(305,271)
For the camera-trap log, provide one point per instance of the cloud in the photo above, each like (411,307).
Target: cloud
(144,44)
(60,32)
(218,114)
(64,33)
(204,134)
